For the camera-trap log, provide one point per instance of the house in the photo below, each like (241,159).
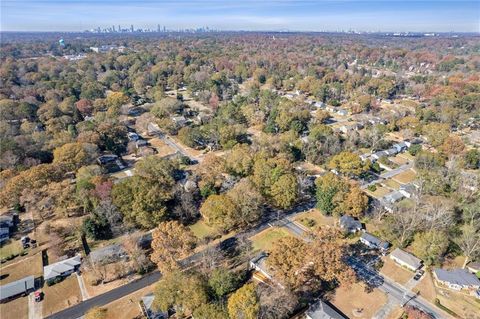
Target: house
(8,221)
(4,234)
(364,157)
(474,267)
(391,151)
(393,197)
(350,224)
(402,146)
(62,268)
(342,112)
(405,259)
(179,120)
(107,159)
(408,190)
(16,288)
(259,264)
(322,310)
(319,105)
(413,141)
(108,254)
(379,154)
(132,136)
(374,242)
(146,303)
(141,143)
(457,279)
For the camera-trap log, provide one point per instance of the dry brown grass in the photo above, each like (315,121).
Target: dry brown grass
(62,295)
(390,183)
(396,313)
(315,215)
(379,192)
(426,287)
(128,306)
(348,298)
(16,308)
(395,271)
(399,160)
(20,268)
(405,177)
(162,148)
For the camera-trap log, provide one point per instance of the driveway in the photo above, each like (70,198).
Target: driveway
(35,309)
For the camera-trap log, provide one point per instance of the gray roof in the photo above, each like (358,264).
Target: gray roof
(17,287)
(407,258)
(107,254)
(457,277)
(393,197)
(350,223)
(375,240)
(321,310)
(148,305)
(474,265)
(61,267)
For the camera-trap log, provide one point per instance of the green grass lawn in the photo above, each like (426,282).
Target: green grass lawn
(265,239)
(15,247)
(201,230)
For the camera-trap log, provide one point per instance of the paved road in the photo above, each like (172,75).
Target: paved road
(388,174)
(394,290)
(79,309)
(270,216)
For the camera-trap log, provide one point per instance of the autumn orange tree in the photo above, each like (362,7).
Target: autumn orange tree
(244,304)
(171,242)
(297,263)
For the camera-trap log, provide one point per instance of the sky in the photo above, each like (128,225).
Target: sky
(254,15)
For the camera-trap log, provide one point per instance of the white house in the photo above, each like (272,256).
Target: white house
(405,259)
(62,268)
(457,279)
(374,242)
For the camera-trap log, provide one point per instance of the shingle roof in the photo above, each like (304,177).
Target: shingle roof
(17,287)
(407,258)
(458,277)
(111,252)
(350,223)
(58,268)
(322,310)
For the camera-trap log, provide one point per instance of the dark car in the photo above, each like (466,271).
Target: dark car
(417,276)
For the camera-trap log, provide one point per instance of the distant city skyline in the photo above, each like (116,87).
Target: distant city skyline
(248,15)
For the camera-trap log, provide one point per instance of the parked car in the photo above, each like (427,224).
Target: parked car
(38,296)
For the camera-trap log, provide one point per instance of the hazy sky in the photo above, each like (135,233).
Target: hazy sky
(305,15)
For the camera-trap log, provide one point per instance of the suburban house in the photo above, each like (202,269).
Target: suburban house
(374,242)
(400,147)
(322,310)
(378,154)
(408,190)
(179,120)
(4,234)
(146,303)
(62,268)
(16,288)
(405,259)
(108,254)
(7,220)
(393,197)
(258,264)
(474,267)
(457,279)
(350,224)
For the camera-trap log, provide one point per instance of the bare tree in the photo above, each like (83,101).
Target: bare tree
(276,303)
(469,241)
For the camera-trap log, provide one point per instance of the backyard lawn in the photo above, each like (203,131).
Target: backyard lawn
(264,240)
(20,268)
(61,295)
(14,247)
(350,299)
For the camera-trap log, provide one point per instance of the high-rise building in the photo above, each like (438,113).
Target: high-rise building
(131,28)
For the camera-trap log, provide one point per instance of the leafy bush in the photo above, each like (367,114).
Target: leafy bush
(372,187)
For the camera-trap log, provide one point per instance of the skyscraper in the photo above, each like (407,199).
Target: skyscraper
(131,28)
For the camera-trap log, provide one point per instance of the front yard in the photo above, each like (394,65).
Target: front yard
(405,177)
(12,248)
(314,218)
(355,302)
(128,306)
(61,295)
(264,240)
(16,308)
(201,230)
(395,272)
